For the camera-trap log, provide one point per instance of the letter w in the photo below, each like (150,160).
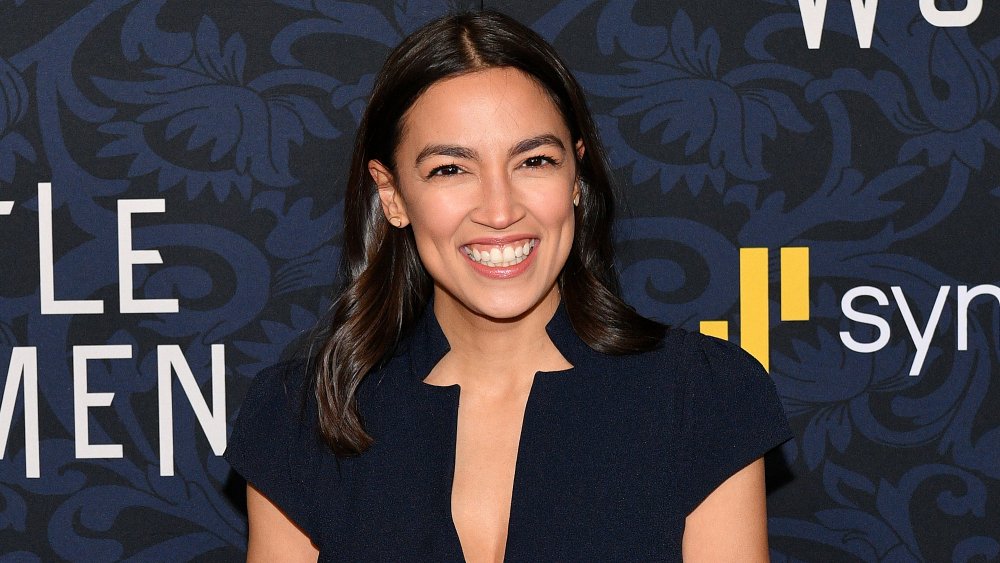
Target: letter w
(814,13)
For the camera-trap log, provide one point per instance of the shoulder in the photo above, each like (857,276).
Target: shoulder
(280,387)
(730,411)
(688,376)
(720,357)
(280,384)
(685,354)
(710,371)
(278,400)
(713,386)
(277,409)
(275,443)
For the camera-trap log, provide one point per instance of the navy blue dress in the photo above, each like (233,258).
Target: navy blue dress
(614,453)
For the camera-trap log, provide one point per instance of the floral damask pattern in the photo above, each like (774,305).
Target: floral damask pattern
(13,108)
(682,92)
(724,131)
(207,99)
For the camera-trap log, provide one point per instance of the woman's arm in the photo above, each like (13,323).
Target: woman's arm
(731,523)
(273,537)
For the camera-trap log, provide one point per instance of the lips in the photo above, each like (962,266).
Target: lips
(505,269)
(500,252)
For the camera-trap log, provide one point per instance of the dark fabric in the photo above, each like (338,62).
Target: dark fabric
(275,444)
(614,452)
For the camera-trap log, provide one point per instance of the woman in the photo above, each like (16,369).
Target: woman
(478,263)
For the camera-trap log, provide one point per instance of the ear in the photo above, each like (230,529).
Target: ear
(388,194)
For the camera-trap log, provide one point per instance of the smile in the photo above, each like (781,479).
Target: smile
(501,255)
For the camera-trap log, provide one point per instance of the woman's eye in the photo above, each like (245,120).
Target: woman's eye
(447,170)
(538,161)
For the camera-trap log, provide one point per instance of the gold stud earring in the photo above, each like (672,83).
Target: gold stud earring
(396,221)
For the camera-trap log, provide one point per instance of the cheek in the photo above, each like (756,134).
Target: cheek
(434,223)
(565,217)
(555,212)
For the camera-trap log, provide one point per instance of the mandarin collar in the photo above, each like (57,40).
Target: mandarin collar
(428,344)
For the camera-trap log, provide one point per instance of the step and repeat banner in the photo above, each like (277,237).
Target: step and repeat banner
(817,180)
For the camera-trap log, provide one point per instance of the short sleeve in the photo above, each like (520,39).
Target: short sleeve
(732,416)
(275,444)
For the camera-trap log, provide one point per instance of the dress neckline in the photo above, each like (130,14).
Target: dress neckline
(428,344)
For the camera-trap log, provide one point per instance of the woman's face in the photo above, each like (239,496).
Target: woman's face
(486,178)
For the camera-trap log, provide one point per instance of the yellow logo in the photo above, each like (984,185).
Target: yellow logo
(754,304)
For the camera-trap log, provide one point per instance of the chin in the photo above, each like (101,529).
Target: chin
(493,301)
(506,308)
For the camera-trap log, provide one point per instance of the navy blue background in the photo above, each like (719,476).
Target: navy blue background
(725,131)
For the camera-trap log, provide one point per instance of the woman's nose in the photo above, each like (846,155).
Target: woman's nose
(498,207)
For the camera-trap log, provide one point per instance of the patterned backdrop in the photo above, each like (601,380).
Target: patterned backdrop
(171,181)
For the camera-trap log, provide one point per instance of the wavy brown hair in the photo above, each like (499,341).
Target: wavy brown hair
(385,286)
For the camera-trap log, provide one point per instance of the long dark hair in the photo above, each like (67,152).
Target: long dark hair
(384,284)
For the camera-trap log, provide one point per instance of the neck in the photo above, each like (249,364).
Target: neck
(498,353)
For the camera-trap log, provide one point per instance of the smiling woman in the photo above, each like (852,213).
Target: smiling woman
(481,391)
(483,168)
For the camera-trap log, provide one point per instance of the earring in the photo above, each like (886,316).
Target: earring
(582,184)
(396,221)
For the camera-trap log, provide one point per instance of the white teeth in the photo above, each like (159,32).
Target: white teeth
(497,257)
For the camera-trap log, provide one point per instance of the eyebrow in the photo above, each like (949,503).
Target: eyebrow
(458,151)
(535,142)
(446,150)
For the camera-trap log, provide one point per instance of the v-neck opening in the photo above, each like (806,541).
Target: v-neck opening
(429,345)
(518,457)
